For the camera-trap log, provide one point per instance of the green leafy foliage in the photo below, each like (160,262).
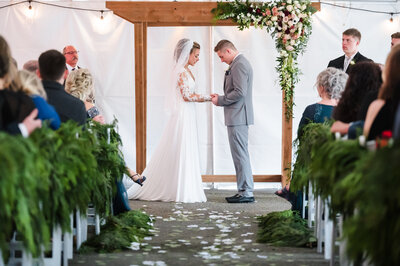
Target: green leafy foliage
(46,177)
(285,228)
(119,232)
(315,135)
(363,186)
(21,188)
(374,229)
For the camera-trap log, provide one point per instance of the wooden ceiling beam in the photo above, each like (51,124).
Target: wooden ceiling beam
(157,14)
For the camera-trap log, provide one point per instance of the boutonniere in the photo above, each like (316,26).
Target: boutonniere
(228,72)
(352,62)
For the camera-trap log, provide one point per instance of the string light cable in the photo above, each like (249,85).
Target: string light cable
(101,11)
(361,9)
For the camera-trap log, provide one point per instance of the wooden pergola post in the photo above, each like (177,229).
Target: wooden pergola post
(158,14)
(141,93)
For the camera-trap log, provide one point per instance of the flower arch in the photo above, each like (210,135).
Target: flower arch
(289,23)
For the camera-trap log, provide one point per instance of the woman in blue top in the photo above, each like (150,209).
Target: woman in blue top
(31,85)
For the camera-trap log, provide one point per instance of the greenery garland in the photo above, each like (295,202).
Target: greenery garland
(364,187)
(46,177)
(289,23)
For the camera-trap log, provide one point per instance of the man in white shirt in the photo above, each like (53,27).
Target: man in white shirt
(350,41)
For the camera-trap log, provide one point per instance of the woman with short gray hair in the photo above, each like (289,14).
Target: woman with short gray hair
(330,85)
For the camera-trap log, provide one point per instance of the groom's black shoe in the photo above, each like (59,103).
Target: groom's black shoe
(235,196)
(240,199)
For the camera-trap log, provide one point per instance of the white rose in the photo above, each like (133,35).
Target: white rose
(284,53)
(287,36)
(289,1)
(303,7)
(290,23)
(292,42)
(296,2)
(289,8)
(274,18)
(297,5)
(248,14)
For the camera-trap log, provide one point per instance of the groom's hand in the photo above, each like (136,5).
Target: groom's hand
(214,99)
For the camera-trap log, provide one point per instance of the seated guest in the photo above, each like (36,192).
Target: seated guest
(381,112)
(51,71)
(17,110)
(31,66)
(80,84)
(361,89)
(395,39)
(330,85)
(31,85)
(396,126)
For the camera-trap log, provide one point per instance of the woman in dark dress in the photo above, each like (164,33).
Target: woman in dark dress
(330,85)
(381,112)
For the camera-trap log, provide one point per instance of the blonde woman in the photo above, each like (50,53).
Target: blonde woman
(17,110)
(79,83)
(31,85)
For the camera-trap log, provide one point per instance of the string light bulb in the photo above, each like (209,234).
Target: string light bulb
(102,17)
(391,17)
(30,6)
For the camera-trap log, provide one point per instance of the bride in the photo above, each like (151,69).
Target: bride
(173,173)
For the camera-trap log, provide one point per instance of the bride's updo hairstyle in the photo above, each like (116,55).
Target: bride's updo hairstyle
(195,46)
(183,46)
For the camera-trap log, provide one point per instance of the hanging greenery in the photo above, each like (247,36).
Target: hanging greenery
(46,177)
(363,186)
(289,23)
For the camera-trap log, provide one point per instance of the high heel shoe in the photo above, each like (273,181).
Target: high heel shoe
(140,180)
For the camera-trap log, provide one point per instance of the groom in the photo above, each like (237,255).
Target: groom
(238,110)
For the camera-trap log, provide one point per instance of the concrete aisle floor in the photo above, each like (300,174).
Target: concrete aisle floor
(211,233)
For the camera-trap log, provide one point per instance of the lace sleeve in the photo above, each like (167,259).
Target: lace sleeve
(187,95)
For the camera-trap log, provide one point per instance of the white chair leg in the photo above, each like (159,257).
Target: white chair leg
(311,206)
(328,228)
(78,229)
(319,224)
(68,244)
(1,259)
(56,247)
(303,212)
(97,226)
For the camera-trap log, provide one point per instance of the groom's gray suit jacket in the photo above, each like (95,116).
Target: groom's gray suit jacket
(237,98)
(238,110)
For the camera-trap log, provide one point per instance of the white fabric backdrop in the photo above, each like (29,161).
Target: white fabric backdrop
(106,48)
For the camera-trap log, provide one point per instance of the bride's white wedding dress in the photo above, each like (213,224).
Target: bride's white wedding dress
(173,173)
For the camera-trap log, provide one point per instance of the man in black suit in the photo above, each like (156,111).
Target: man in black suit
(350,41)
(71,58)
(51,70)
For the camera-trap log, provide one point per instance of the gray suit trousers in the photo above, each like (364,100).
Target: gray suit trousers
(238,142)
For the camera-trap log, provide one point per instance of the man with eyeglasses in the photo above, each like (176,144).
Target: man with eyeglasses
(71,58)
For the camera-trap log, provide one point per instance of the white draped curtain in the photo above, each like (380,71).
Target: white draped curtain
(107,50)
